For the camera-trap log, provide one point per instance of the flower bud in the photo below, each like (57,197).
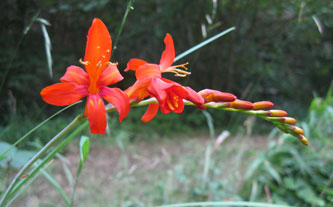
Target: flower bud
(288,120)
(216,96)
(303,139)
(240,104)
(261,105)
(276,113)
(295,129)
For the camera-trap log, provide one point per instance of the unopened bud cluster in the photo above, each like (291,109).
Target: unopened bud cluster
(228,101)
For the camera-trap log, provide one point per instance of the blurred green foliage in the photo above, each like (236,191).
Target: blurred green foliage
(276,53)
(293,174)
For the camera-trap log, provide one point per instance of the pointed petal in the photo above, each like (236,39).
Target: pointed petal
(168,54)
(110,75)
(62,94)
(139,90)
(148,70)
(96,114)
(75,74)
(134,64)
(150,113)
(194,97)
(98,47)
(118,98)
(158,89)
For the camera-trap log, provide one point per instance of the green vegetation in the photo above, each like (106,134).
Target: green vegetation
(291,174)
(280,51)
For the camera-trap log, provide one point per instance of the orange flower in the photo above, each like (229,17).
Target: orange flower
(76,83)
(169,94)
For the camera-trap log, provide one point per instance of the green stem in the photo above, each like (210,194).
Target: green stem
(129,7)
(34,129)
(51,155)
(52,142)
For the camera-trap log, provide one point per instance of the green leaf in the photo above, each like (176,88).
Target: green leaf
(56,185)
(47,43)
(272,172)
(84,148)
(196,47)
(308,195)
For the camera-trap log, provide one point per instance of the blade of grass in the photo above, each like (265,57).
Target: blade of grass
(129,7)
(196,47)
(9,191)
(23,189)
(56,185)
(225,203)
(35,128)
(47,43)
(84,151)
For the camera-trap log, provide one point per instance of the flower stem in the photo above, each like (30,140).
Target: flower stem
(52,142)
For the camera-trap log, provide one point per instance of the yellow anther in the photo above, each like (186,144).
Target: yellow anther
(170,105)
(107,50)
(178,72)
(98,47)
(83,62)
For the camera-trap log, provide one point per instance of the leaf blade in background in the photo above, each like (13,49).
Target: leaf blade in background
(84,148)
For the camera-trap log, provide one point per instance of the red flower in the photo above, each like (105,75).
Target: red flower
(149,82)
(76,83)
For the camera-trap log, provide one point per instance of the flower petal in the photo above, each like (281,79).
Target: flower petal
(75,74)
(98,48)
(169,95)
(139,90)
(118,98)
(62,94)
(134,64)
(168,54)
(194,97)
(150,113)
(158,89)
(96,114)
(110,75)
(211,95)
(148,70)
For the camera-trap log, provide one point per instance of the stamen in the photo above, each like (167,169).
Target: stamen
(178,72)
(170,105)
(175,101)
(83,62)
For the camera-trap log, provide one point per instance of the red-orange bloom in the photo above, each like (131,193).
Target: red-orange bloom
(169,94)
(76,83)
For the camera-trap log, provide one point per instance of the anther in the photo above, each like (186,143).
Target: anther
(83,62)
(178,72)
